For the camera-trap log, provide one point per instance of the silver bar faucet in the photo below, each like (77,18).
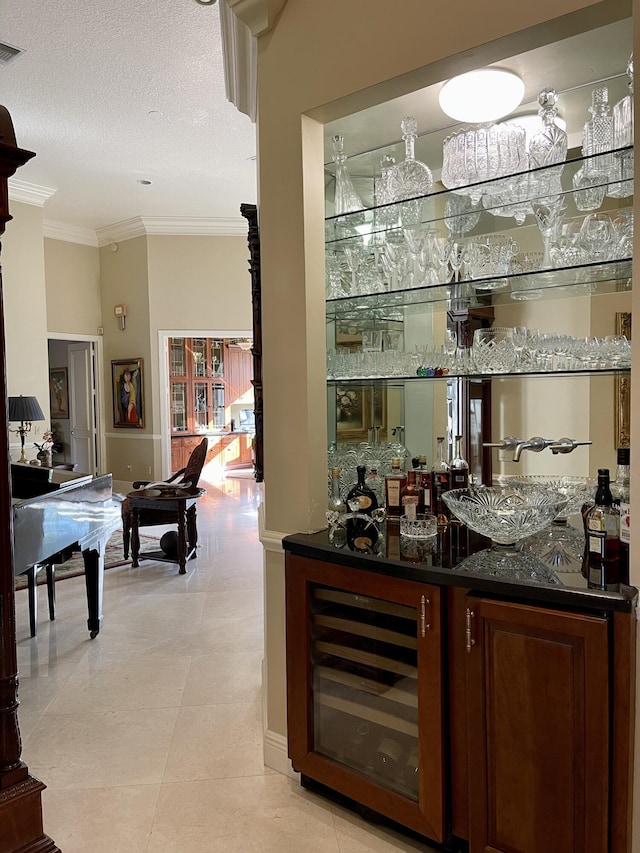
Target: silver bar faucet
(536,444)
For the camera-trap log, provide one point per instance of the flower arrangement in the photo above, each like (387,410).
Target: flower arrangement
(47,442)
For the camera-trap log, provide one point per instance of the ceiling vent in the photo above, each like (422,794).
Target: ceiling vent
(8,52)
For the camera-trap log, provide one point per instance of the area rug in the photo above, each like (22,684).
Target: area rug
(113,556)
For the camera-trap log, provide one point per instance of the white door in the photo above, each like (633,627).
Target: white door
(82,407)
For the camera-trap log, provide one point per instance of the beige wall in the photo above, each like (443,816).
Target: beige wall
(327,60)
(25,311)
(72,278)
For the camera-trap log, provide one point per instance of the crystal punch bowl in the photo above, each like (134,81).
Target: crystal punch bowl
(508,513)
(578,490)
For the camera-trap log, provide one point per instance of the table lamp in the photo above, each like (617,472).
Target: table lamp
(25,410)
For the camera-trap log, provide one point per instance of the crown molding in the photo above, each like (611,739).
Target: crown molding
(258,15)
(181,226)
(240,58)
(29,193)
(70,233)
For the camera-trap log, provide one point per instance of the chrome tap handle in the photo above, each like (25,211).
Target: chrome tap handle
(566,445)
(506,443)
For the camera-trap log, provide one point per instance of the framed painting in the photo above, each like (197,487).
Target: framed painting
(357,411)
(58,393)
(622,390)
(128,393)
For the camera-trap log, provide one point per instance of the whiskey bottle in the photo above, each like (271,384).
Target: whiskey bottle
(410,497)
(602,524)
(458,467)
(365,496)
(425,483)
(394,483)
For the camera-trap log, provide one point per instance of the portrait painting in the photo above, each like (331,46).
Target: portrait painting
(128,390)
(58,393)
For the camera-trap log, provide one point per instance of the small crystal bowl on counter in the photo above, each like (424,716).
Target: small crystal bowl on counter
(420,526)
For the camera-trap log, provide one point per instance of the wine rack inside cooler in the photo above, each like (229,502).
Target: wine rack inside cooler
(364,660)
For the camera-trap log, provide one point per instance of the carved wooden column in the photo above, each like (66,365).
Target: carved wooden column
(250,213)
(21,829)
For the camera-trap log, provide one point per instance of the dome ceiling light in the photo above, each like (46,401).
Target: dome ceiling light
(480,96)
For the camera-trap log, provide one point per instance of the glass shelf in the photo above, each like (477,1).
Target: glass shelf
(498,199)
(573,281)
(400,381)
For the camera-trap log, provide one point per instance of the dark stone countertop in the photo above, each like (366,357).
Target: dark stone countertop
(438,565)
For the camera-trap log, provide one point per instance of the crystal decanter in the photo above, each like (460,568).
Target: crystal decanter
(622,138)
(547,147)
(346,200)
(590,181)
(410,178)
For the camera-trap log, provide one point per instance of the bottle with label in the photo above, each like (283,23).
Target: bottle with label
(602,523)
(394,483)
(410,496)
(375,482)
(458,467)
(363,494)
(621,489)
(425,483)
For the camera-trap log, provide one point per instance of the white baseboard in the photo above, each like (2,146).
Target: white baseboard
(275,754)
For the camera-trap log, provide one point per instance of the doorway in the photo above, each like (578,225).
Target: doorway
(76,361)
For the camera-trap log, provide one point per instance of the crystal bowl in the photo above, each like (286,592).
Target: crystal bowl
(578,490)
(508,513)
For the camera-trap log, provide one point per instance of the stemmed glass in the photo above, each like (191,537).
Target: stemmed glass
(415,237)
(353,256)
(596,236)
(334,274)
(549,213)
(457,256)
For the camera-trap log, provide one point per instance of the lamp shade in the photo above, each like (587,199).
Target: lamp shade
(25,409)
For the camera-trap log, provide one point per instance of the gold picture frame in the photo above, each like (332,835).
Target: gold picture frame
(359,409)
(622,390)
(58,393)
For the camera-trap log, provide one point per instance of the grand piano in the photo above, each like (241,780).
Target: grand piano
(55,513)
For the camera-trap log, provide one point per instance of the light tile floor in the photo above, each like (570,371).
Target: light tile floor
(149,738)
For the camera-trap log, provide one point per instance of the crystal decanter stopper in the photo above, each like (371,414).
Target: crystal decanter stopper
(346,199)
(410,178)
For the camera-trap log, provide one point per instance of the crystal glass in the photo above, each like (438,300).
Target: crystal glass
(622,137)
(560,545)
(597,236)
(549,213)
(409,178)
(506,514)
(491,256)
(346,199)
(547,146)
(387,213)
(423,526)
(460,215)
(493,350)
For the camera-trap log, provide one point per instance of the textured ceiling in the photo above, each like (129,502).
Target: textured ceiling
(110,95)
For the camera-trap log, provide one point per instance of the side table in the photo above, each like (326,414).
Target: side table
(184,505)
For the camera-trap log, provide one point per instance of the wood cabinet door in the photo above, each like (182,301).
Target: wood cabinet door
(538,724)
(365,689)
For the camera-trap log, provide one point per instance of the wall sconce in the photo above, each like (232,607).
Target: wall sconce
(121,313)
(25,410)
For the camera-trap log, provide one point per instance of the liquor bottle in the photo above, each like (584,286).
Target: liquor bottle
(366,497)
(375,482)
(620,489)
(458,467)
(441,463)
(603,537)
(335,501)
(394,483)
(425,483)
(410,496)
(362,531)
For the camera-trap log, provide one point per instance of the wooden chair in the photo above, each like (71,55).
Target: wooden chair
(148,518)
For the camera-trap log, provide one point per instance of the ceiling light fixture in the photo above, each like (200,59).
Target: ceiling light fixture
(482,95)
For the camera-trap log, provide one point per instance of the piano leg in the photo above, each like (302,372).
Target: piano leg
(94,579)
(51,590)
(31,574)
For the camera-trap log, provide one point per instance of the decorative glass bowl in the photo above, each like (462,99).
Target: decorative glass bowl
(508,513)
(560,546)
